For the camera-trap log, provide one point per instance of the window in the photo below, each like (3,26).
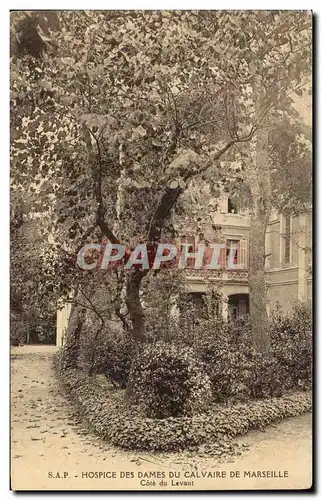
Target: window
(190,262)
(235,245)
(197,300)
(233,311)
(232,206)
(287,240)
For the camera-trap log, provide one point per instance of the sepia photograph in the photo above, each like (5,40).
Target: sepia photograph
(161,250)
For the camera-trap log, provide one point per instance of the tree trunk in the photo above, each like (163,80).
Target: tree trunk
(261,206)
(260,186)
(256,276)
(135,309)
(133,303)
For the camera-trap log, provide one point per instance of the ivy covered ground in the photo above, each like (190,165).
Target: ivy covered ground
(48,436)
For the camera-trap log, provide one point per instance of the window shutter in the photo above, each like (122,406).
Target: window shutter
(190,263)
(243,256)
(239,261)
(207,255)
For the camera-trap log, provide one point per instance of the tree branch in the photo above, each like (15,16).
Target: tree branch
(93,308)
(170,196)
(162,212)
(100,221)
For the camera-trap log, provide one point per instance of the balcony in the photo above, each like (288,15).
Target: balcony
(230,275)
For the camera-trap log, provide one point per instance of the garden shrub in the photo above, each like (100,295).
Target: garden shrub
(168,380)
(113,357)
(292,344)
(18,329)
(258,373)
(121,424)
(229,361)
(109,352)
(238,372)
(266,374)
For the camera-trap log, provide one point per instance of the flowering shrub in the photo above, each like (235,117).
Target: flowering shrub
(168,380)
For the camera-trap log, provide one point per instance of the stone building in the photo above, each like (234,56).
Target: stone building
(288,260)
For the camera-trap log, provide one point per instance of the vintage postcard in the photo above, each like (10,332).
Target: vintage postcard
(161,240)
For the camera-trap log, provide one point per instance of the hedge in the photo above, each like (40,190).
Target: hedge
(104,409)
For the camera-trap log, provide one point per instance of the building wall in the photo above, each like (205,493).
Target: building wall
(283,294)
(62,323)
(273,244)
(309,289)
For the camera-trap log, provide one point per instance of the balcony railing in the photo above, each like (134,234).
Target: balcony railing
(217,274)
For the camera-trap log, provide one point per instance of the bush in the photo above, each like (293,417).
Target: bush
(168,380)
(18,330)
(229,359)
(113,357)
(292,345)
(122,425)
(238,372)
(108,352)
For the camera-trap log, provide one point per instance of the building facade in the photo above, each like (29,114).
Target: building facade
(287,265)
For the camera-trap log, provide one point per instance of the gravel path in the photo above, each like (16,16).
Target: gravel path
(51,449)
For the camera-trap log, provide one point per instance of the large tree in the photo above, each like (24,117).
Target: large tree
(122,109)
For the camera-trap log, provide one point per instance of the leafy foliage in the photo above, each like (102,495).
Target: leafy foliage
(173,408)
(234,366)
(236,370)
(18,329)
(292,345)
(168,381)
(159,295)
(32,305)
(110,353)
(240,372)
